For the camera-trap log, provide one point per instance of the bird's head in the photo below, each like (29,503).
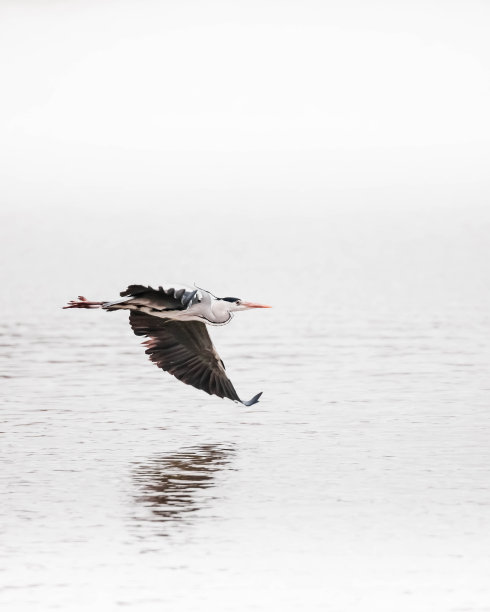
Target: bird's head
(236,304)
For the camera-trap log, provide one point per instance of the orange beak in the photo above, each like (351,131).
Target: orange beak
(252,305)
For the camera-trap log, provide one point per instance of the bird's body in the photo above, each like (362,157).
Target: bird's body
(174,321)
(177,304)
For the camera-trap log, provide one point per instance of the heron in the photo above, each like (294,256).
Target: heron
(174,319)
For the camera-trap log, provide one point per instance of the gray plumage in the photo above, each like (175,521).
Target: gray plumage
(174,322)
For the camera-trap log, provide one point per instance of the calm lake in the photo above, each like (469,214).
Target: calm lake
(359,482)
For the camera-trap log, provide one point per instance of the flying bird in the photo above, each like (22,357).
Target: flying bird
(174,321)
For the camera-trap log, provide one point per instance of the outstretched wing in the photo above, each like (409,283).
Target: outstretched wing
(158,299)
(185,350)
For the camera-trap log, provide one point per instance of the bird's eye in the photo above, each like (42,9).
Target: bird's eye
(230,299)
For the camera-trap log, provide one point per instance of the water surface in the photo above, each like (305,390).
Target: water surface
(360,481)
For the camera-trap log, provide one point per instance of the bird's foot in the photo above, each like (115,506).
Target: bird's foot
(82,302)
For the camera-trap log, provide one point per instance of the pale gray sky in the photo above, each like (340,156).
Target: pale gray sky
(296,104)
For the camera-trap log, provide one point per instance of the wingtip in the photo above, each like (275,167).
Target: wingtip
(253,401)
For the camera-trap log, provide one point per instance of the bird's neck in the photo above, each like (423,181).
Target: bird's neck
(220,312)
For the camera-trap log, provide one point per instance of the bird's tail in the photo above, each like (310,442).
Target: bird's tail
(82,302)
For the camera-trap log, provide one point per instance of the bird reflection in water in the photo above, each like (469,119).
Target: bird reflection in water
(170,484)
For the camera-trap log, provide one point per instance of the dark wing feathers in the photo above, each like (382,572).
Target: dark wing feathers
(169,299)
(185,350)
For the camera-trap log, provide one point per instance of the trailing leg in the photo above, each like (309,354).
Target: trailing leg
(83,303)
